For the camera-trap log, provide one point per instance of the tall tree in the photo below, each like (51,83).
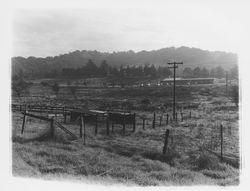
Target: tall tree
(197,72)
(128,71)
(19,86)
(122,71)
(204,73)
(212,73)
(104,68)
(153,72)
(91,68)
(234,72)
(187,72)
(219,72)
(166,72)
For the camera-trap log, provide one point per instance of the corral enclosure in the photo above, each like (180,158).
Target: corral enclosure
(202,144)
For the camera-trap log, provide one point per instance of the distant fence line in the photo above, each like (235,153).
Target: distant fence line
(115,117)
(83,116)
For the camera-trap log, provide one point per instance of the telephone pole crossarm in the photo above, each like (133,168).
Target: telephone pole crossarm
(175,63)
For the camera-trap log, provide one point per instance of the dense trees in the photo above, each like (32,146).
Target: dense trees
(204,73)
(196,72)
(217,72)
(187,72)
(104,70)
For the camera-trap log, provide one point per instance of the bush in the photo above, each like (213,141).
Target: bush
(235,95)
(55,88)
(20,87)
(205,160)
(168,158)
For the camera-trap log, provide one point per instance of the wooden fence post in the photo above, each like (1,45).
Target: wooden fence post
(124,124)
(24,119)
(112,127)
(134,123)
(84,130)
(181,117)
(56,113)
(107,124)
(52,127)
(96,124)
(165,142)
(81,123)
(167,120)
(229,130)
(176,119)
(221,137)
(143,123)
(153,124)
(160,119)
(64,115)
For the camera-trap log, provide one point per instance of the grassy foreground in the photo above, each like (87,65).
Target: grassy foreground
(132,159)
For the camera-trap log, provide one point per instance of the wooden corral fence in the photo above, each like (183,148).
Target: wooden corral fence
(158,119)
(51,120)
(121,118)
(41,108)
(83,116)
(94,116)
(56,110)
(87,116)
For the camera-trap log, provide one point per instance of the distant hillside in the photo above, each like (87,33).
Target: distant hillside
(192,57)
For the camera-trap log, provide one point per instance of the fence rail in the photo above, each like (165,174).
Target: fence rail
(42,108)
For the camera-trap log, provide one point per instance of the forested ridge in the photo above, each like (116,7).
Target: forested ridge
(197,63)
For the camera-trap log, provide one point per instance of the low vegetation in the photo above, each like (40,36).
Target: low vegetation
(136,158)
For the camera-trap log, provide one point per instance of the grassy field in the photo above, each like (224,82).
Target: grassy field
(136,158)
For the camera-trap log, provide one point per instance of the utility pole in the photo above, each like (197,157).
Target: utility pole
(226,82)
(175,65)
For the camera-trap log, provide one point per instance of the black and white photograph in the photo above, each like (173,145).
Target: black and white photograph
(128,93)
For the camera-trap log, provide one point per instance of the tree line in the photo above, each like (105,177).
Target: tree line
(147,70)
(217,72)
(90,69)
(49,67)
(105,70)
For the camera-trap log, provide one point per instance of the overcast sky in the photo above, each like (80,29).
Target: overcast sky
(131,26)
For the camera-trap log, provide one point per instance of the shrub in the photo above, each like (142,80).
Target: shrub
(20,86)
(55,88)
(168,158)
(235,95)
(205,160)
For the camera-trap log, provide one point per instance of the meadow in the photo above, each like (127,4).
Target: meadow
(134,158)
